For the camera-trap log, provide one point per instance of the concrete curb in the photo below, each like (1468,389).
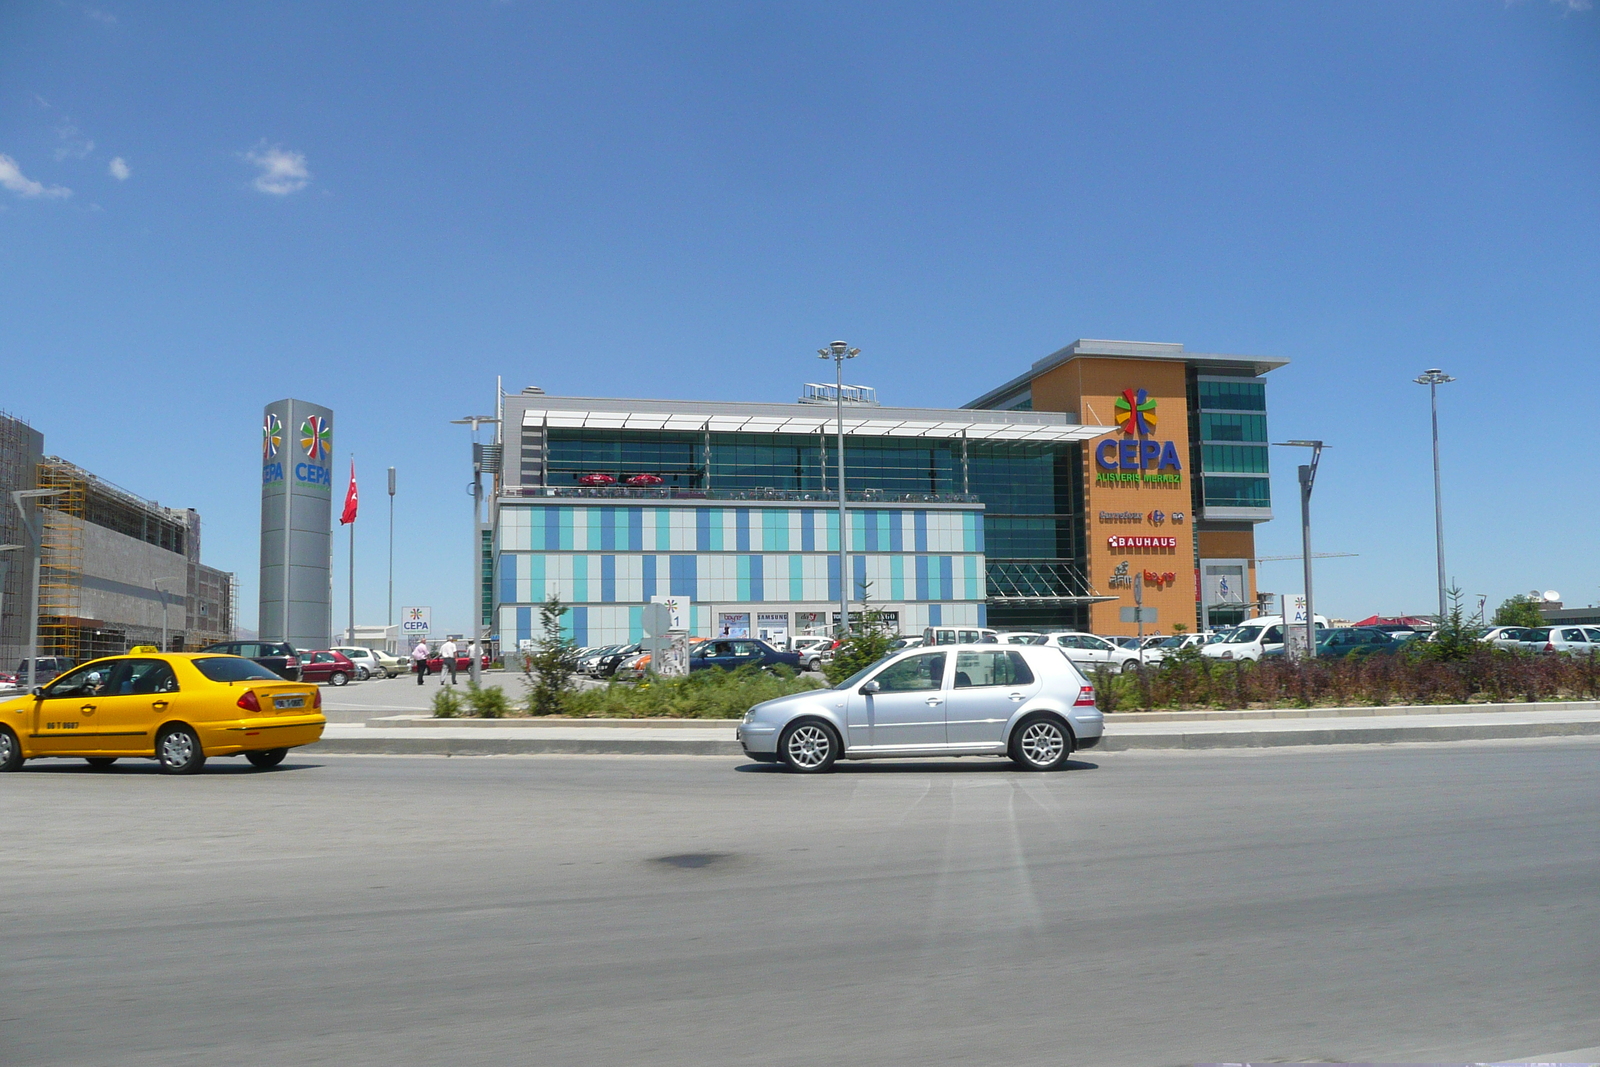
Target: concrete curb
(1113,742)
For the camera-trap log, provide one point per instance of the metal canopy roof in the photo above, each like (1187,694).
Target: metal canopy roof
(803,419)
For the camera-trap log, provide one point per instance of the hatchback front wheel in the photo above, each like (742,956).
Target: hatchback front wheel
(809,747)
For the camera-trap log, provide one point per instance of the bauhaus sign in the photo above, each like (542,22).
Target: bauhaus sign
(1137,456)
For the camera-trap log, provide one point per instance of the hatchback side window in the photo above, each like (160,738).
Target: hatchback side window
(974,669)
(968,637)
(1094,643)
(1067,641)
(1573,635)
(913,674)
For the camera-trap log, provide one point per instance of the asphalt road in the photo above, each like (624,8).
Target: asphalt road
(1420,903)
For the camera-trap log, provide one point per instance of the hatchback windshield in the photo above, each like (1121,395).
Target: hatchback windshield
(234,669)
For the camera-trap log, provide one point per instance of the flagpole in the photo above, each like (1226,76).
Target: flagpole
(351,635)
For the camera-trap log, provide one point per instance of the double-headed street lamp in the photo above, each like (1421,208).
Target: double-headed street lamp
(1308,477)
(33,526)
(1433,377)
(839,351)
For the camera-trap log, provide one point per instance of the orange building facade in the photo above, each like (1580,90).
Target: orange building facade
(1171,493)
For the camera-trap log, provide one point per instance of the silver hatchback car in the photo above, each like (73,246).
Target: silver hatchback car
(1027,702)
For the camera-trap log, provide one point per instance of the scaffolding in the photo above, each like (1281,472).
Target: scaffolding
(61,563)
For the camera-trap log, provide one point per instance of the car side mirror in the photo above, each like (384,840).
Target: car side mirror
(38,690)
(869,688)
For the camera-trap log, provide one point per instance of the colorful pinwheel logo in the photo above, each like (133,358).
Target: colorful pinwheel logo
(316,437)
(415,614)
(1136,412)
(271,437)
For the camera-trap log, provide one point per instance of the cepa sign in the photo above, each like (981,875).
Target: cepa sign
(1137,456)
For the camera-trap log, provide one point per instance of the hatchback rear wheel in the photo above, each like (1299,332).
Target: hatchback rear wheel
(100,763)
(1040,743)
(268,758)
(338,678)
(809,747)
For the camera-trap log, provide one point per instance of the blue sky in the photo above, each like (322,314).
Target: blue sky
(381,206)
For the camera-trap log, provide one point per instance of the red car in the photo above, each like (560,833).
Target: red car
(334,668)
(463,663)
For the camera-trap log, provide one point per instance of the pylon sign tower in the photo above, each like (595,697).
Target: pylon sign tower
(296,528)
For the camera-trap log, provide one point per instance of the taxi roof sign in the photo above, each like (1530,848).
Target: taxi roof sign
(142,648)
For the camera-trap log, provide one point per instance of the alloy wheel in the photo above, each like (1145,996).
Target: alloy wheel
(809,746)
(1042,743)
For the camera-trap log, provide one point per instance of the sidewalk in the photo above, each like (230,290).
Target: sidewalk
(413,735)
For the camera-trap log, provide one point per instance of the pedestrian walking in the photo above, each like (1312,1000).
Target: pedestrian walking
(447,653)
(419,660)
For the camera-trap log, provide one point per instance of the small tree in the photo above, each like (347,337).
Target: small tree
(865,645)
(1454,639)
(548,670)
(1520,610)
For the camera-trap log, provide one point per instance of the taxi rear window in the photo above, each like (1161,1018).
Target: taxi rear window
(234,669)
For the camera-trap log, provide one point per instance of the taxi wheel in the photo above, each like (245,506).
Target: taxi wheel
(270,758)
(178,751)
(10,751)
(338,678)
(100,763)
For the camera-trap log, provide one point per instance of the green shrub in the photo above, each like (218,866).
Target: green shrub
(703,694)
(446,703)
(488,702)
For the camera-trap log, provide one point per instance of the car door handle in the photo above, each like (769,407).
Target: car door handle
(87,709)
(1016,696)
(159,704)
(934,702)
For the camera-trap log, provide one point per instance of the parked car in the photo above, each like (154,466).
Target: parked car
(732,653)
(1252,639)
(1088,652)
(612,660)
(47,668)
(589,661)
(1507,637)
(1568,640)
(371,662)
(1025,701)
(1358,641)
(1162,647)
(813,651)
(279,657)
(463,662)
(911,641)
(326,665)
(959,635)
(1021,637)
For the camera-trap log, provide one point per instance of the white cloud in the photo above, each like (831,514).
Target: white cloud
(119,169)
(1570,6)
(104,18)
(282,172)
(74,145)
(11,177)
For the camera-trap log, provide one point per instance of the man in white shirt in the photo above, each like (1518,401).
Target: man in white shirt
(419,660)
(447,653)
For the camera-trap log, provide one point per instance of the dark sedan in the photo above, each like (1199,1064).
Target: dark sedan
(732,653)
(1359,641)
(276,656)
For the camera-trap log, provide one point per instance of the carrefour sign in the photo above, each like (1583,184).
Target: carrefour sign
(1137,456)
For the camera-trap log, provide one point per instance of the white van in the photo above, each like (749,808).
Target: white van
(959,635)
(1252,639)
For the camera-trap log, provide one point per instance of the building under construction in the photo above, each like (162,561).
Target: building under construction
(116,570)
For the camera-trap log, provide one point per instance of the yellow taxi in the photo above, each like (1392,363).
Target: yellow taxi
(177,708)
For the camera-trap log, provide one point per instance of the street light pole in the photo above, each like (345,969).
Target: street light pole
(34,527)
(476,489)
(1308,477)
(163,592)
(388,620)
(839,351)
(1433,377)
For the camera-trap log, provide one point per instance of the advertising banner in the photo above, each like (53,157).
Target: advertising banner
(415,622)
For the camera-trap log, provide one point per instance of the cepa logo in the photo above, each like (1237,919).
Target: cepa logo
(271,437)
(1136,413)
(316,437)
(414,614)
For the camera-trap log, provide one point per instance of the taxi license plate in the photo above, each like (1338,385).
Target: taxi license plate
(288,702)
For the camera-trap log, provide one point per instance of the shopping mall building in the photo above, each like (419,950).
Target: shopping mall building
(1038,506)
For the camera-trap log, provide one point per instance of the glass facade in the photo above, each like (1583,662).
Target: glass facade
(1230,425)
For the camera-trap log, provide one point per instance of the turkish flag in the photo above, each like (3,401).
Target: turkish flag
(350,498)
